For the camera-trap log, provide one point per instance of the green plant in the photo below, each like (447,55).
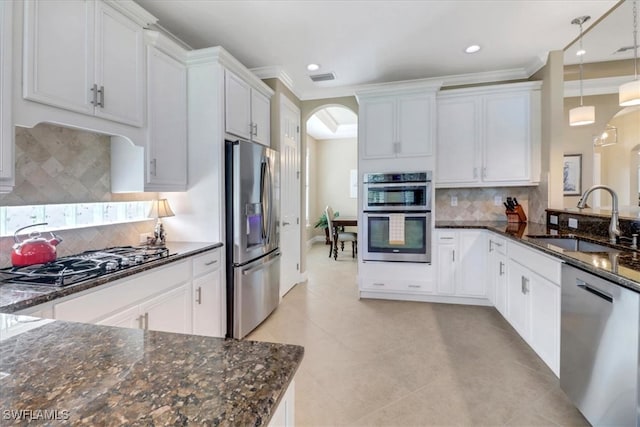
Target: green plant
(322,221)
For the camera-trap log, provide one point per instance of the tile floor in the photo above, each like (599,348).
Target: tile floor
(393,363)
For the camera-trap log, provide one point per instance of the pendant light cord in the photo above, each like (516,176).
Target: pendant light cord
(581,51)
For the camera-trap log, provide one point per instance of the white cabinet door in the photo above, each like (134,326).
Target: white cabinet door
(169,312)
(59,53)
(237,106)
(413,125)
(207,305)
(6,122)
(472,264)
(498,275)
(507,137)
(545,320)
(518,288)
(166,153)
(119,66)
(458,141)
(377,128)
(128,318)
(446,257)
(260,118)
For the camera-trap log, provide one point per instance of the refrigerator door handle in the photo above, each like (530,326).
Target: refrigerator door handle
(263,172)
(262,265)
(270,217)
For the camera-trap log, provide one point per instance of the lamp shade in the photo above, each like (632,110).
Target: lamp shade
(160,209)
(583,115)
(630,94)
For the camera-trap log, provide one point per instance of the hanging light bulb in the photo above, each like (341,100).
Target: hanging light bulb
(584,114)
(630,92)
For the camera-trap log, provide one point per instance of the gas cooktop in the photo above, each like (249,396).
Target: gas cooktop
(72,269)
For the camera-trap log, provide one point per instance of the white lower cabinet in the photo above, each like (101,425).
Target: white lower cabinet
(461,260)
(284,415)
(533,301)
(208,316)
(183,297)
(497,273)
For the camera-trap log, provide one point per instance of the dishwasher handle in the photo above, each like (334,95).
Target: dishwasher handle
(585,286)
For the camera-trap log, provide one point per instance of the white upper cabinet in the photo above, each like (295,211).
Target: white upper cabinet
(85,56)
(166,147)
(247,111)
(489,136)
(396,125)
(6,122)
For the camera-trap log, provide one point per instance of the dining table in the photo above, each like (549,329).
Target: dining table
(338,224)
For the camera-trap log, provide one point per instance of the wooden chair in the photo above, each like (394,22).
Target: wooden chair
(337,236)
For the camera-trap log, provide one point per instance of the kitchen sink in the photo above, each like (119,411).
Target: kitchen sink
(573,244)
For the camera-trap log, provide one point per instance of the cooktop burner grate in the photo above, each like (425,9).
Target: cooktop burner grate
(86,265)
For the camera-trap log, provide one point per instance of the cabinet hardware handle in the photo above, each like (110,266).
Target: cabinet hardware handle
(475,172)
(211,262)
(446,238)
(154,167)
(101,92)
(415,286)
(146,321)
(484,172)
(378,284)
(141,322)
(199,295)
(490,245)
(94,97)
(524,285)
(286,223)
(255,129)
(453,256)
(501,268)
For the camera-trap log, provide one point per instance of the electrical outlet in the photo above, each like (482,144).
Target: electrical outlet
(497,201)
(454,200)
(144,236)
(553,219)
(573,223)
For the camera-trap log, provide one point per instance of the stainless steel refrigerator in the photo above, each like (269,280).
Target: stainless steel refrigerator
(252,199)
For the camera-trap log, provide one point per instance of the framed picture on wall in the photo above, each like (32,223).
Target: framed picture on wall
(572,175)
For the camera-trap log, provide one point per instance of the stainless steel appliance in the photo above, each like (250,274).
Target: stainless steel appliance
(397,217)
(599,348)
(252,235)
(69,270)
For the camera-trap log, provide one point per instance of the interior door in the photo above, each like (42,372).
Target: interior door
(290,194)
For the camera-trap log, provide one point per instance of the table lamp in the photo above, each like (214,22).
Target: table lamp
(160,209)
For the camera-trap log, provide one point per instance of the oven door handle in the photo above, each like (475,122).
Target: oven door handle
(398,184)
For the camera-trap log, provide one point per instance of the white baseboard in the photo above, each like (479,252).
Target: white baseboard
(315,239)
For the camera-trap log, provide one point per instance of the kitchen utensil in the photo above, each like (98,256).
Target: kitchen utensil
(35,249)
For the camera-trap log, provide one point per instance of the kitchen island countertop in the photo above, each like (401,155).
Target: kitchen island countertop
(15,297)
(83,374)
(622,268)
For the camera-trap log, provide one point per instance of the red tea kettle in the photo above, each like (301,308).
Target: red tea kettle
(34,249)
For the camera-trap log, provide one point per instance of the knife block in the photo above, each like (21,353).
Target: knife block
(516,216)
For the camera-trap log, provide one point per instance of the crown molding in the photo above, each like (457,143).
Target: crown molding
(222,57)
(276,72)
(535,65)
(166,44)
(134,11)
(602,86)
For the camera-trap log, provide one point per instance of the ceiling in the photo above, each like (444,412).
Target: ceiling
(368,42)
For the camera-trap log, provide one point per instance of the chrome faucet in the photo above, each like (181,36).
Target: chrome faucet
(614,226)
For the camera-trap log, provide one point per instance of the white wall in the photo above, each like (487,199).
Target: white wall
(312,145)
(335,159)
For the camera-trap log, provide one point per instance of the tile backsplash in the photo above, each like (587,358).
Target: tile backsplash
(60,165)
(477,204)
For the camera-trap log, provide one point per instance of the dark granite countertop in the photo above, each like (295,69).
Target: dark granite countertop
(99,375)
(622,268)
(14,297)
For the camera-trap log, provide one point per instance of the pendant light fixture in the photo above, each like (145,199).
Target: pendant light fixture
(584,114)
(630,92)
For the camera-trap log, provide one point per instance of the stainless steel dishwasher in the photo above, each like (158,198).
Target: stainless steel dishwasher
(599,348)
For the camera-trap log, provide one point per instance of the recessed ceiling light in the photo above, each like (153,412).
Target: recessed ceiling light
(472,49)
(313,67)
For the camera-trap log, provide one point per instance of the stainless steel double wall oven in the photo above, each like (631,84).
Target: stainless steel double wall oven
(397,217)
